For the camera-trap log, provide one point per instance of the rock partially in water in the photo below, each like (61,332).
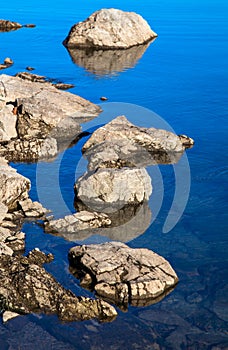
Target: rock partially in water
(13,186)
(25,287)
(8,62)
(123,225)
(110,28)
(77,222)
(119,153)
(108,190)
(107,62)
(37,116)
(121,274)
(153,140)
(6,25)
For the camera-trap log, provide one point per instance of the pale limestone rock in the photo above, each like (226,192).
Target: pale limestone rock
(110,28)
(111,189)
(13,186)
(77,222)
(153,140)
(9,315)
(122,274)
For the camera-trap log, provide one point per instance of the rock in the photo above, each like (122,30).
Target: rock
(7,63)
(13,186)
(3,211)
(107,62)
(78,222)
(8,315)
(151,139)
(42,79)
(108,190)
(30,68)
(25,287)
(32,209)
(103,98)
(122,225)
(126,153)
(29,25)
(8,122)
(41,116)
(6,25)
(121,274)
(110,28)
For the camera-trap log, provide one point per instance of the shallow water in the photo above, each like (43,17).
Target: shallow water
(182,77)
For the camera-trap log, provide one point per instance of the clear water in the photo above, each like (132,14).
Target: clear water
(182,76)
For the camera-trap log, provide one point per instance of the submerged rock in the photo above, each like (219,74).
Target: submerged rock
(110,28)
(25,287)
(121,274)
(107,190)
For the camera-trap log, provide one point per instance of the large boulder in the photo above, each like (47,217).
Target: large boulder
(121,274)
(25,287)
(6,25)
(152,139)
(108,190)
(110,29)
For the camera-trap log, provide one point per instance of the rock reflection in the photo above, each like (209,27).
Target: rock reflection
(107,62)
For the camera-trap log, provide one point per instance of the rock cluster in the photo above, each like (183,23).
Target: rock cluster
(6,25)
(121,274)
(32,116)
(25,287)
(110,29)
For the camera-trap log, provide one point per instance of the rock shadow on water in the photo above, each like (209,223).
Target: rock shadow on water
(107,62)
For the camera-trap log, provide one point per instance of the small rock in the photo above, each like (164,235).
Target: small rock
(8,315)
(29,68)
(103,98)
(30,25)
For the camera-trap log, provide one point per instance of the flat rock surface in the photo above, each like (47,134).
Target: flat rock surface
(110,28)
(122,274)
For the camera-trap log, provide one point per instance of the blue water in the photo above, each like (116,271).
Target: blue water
(183,78)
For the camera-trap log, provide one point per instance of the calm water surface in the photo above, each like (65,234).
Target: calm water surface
(182,77)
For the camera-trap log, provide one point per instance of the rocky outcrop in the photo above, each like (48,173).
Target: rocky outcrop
(25,287)
(153,140)
(34,116)
(121,274)
(108,190)
(110,29)
(107,62)
(7,63)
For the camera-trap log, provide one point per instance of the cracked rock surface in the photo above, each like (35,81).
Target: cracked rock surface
(110,28)
(121,274)
(25,286)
